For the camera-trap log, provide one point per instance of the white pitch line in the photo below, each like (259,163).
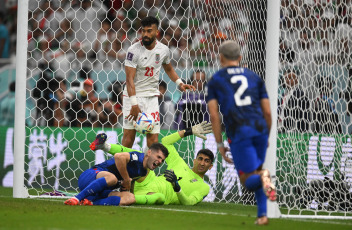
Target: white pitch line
(191,211)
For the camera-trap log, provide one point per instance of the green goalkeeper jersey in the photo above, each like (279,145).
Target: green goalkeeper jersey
(193,187)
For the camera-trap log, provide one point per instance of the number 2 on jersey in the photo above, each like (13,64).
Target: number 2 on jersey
(149,71)
(244,85)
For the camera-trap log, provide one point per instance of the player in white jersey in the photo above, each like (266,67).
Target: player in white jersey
(143,62)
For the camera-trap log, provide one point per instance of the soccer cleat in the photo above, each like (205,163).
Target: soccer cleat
(268,187)
(262,221)
(72,201)
(99,141)
(86,202)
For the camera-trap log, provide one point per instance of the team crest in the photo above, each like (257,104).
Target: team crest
(157,58)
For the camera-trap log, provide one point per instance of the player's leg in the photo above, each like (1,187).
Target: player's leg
(247,162)
(151,106)
(129,133)
(84,180)
(152,138)
(128,137)
(89,187)
(115,199)
(269,188)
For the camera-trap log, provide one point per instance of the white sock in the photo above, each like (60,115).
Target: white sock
(107,147)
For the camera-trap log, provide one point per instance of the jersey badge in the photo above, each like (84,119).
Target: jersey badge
(134,156)
(129,56)
(193,180)
(157,58)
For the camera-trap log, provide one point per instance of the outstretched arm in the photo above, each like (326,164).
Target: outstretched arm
(170,71)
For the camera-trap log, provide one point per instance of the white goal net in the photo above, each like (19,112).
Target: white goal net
(80,45)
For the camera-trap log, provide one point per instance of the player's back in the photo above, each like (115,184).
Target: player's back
(134,166)
(239,92)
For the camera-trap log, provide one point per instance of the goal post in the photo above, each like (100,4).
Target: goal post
(19,189)
(271,80)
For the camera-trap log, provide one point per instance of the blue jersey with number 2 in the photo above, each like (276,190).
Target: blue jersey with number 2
(239,91)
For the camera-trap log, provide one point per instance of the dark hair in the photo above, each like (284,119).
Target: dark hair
(158,146)
(163,84)
(150,20)
(206,152)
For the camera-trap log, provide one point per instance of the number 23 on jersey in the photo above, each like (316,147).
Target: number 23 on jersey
(149,71)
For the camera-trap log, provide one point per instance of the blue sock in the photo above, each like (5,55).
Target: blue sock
(111,200)
(261,202)
(253,183)
(93,188)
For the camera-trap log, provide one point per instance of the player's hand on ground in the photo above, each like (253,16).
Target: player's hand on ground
(172,178)
(126,185)
(135,110)
(223,151)
(202,128)
(184,87)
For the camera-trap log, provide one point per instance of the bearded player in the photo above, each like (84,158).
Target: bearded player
(143,62)
(180,184)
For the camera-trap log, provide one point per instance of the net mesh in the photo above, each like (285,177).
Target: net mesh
(79,46)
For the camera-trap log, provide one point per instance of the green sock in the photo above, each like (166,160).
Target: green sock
(114,148)
(156,198)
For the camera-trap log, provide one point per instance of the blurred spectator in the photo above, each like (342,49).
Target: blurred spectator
(61,98)
(107,48)
(286,54)
(7,107)
(89,106)
(192,107)
(167,107)
(112,108)
(294,108)
(325,116)
(4,39)
(45,101)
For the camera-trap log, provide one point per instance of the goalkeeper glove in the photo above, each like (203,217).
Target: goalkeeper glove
(172,178)
(199,129)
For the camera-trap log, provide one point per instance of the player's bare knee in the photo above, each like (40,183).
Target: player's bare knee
(151,138)
(111,180)
(128,138)
(127,199)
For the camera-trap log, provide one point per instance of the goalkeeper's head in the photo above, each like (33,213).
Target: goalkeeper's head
(203,162)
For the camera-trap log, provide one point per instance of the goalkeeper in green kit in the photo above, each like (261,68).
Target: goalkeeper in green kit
(179,184)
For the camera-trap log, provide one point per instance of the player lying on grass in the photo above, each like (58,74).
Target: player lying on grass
(97,182)
(179,184)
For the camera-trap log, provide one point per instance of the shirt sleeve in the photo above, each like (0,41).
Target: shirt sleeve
(168,142)
(131,58)
(167,57)
(194,198)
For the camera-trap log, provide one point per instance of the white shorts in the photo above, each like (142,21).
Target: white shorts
(146,104)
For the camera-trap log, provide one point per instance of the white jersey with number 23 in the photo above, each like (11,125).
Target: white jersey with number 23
(148,64)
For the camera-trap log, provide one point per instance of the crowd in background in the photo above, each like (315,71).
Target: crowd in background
(73,38)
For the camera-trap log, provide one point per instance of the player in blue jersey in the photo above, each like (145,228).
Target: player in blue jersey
(243,101)
(97,182)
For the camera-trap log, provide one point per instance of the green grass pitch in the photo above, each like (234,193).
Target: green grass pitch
(53,214)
